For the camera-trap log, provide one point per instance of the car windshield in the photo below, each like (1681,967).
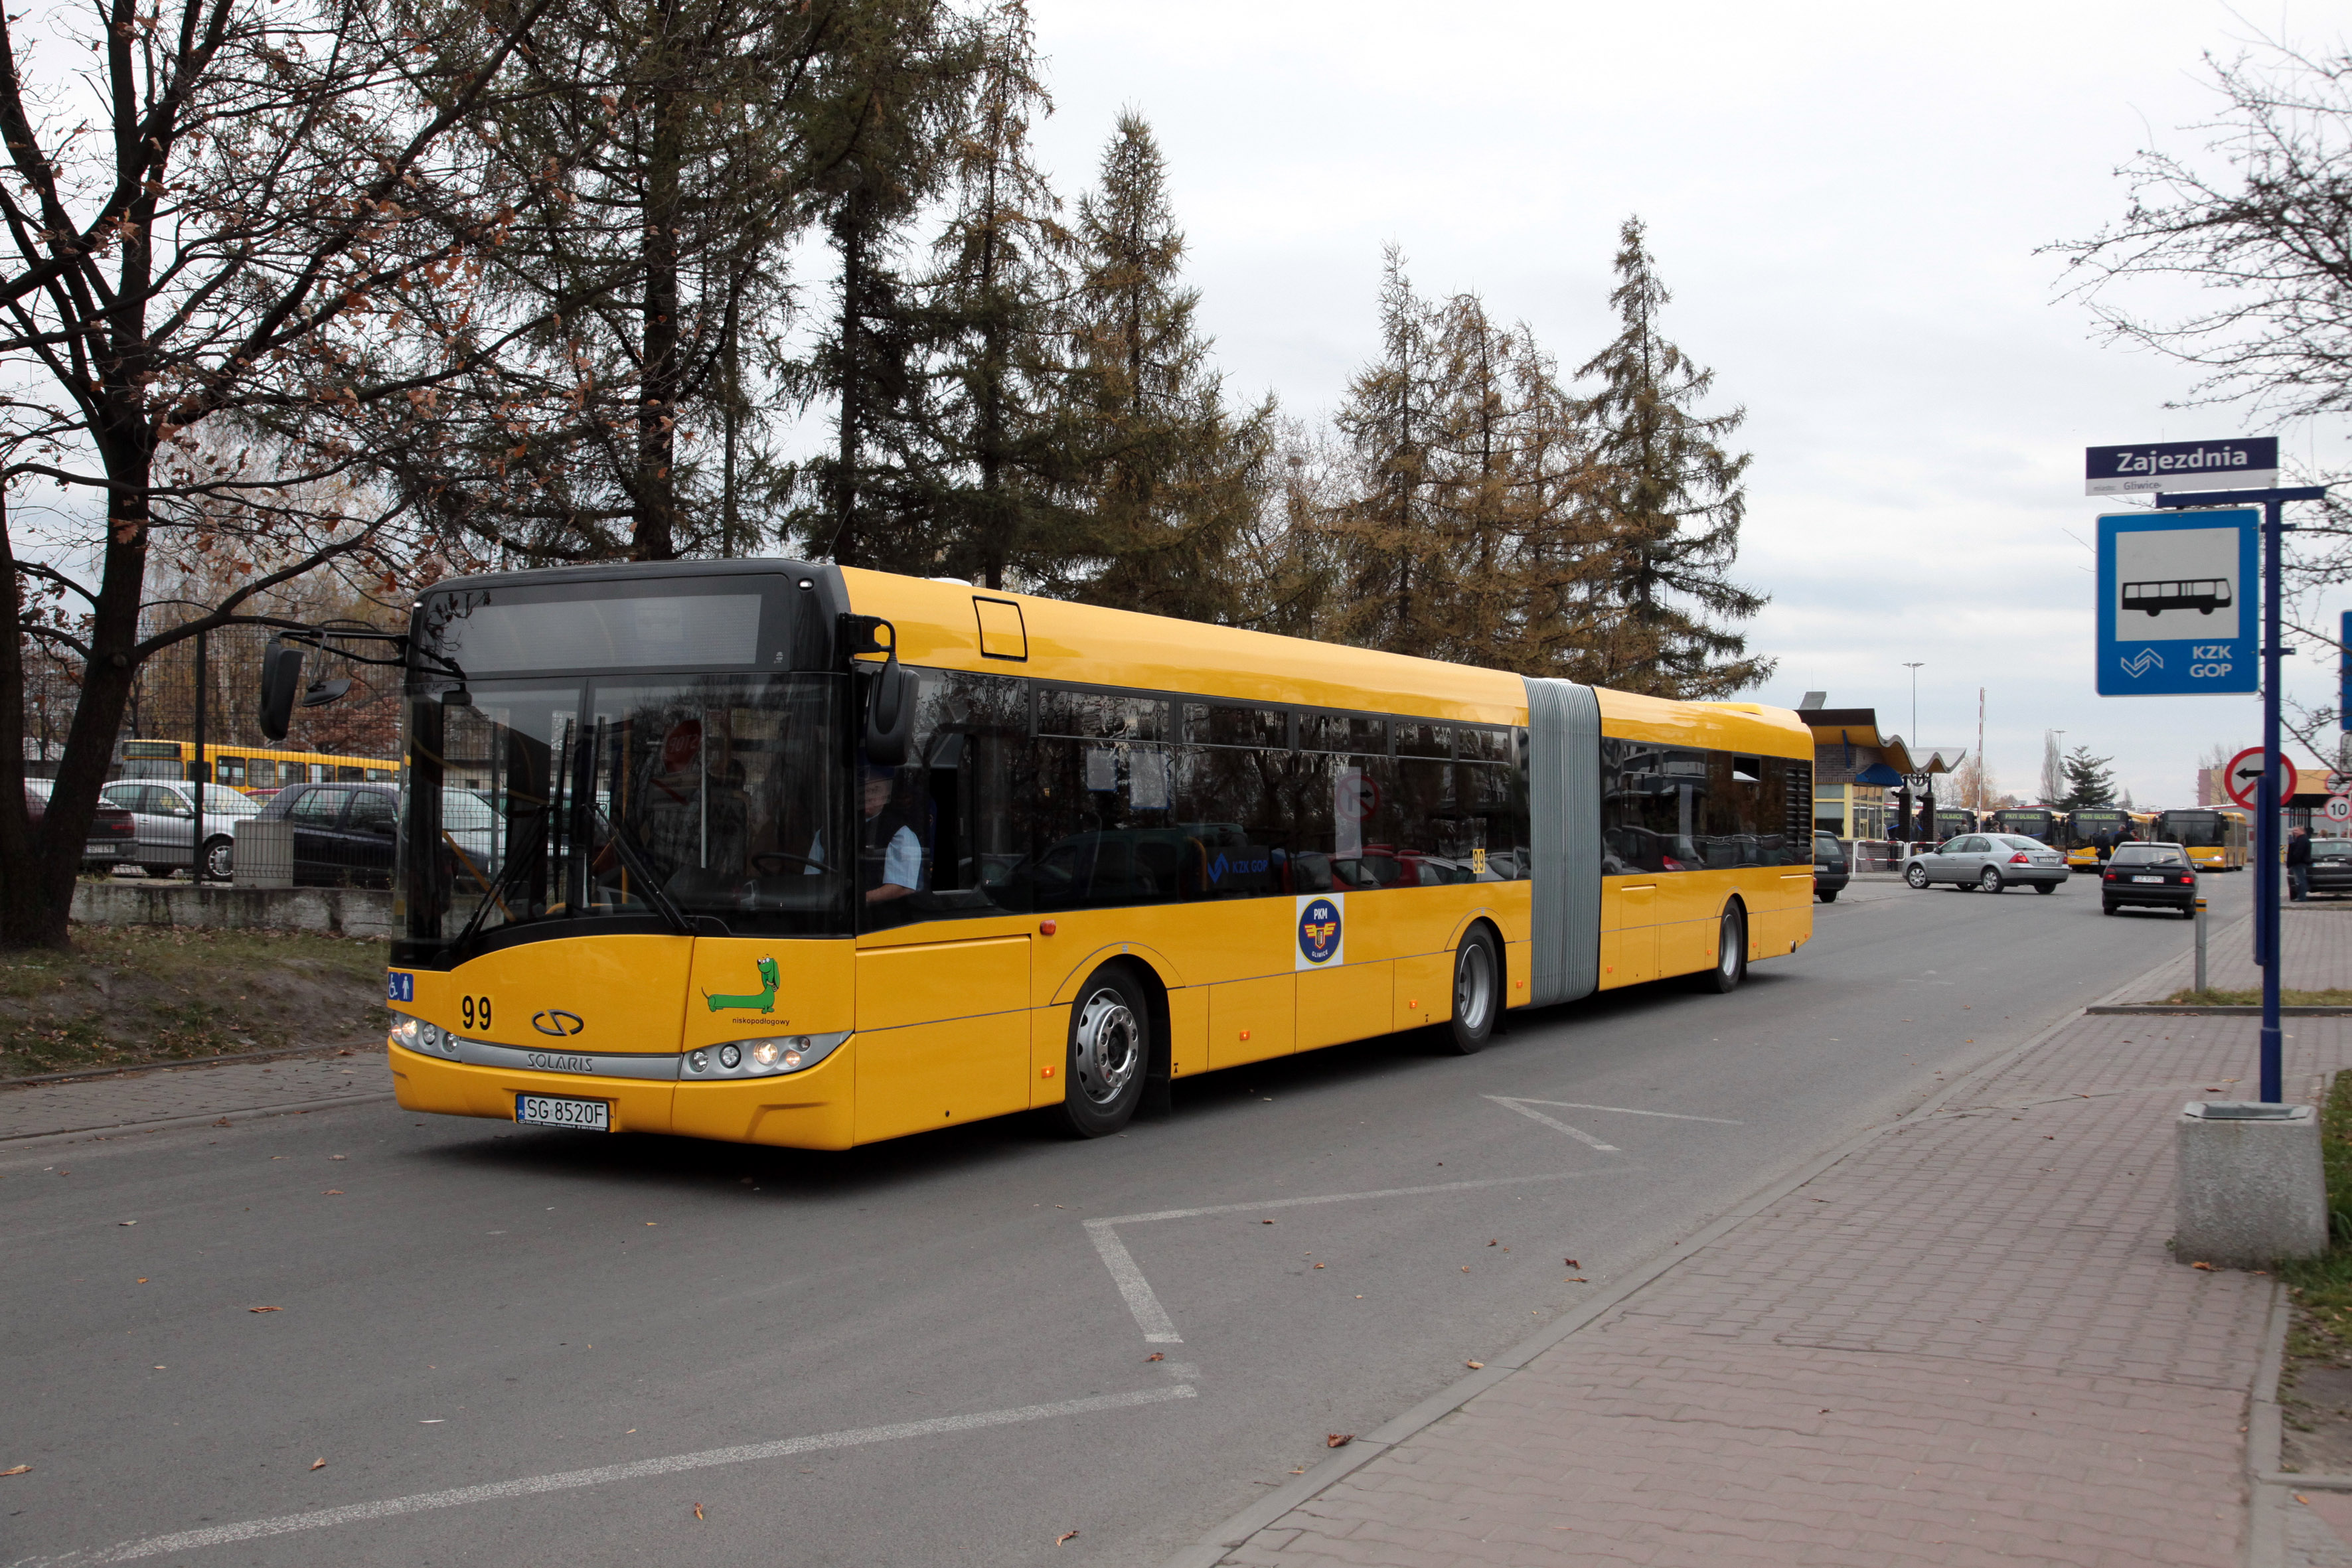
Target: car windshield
(651,803)
(2331,850)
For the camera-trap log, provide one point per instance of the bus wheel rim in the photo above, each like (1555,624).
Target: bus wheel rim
(1473,986)
(1111,1047)
(1726,957)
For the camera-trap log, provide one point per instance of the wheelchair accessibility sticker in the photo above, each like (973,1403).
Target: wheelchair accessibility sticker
(1321,937)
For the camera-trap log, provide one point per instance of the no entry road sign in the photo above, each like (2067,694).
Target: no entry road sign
(2243,777)
(2178,594)
(2147,467)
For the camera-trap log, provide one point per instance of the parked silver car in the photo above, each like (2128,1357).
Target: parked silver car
(165,810)
(1988,862)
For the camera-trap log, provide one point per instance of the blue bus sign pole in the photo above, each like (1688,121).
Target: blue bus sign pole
(2267,804)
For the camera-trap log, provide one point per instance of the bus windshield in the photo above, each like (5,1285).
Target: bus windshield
(638,803)
(2196,829)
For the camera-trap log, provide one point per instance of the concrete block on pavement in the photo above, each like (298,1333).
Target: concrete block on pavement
(2253,1189)
(265,853)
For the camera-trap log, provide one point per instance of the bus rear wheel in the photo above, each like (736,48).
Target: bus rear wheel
(1730,953)
(1110,1047)
(1477,993)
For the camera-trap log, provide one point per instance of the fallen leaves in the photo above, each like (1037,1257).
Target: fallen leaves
(265,1308)
(126,1222)
(318,1464)
(2207,1266)
(1157,1355)
(1266,1221)
(1466,1268)
(1571,1262)
(1338,1439)
(1476,1365)
(222,1122)
(17,1470)
(333,1193)
(1065,1536)
(697,1510)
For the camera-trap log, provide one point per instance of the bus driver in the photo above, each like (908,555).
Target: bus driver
(891,864)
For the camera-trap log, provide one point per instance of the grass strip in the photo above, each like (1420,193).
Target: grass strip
(2321,1286)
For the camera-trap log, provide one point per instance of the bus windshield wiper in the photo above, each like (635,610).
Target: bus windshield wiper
(633,860)
(509,876)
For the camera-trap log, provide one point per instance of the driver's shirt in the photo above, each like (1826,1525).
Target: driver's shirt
(902,858)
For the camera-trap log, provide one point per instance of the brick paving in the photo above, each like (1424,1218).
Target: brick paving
(150,1095)
(1965,1343)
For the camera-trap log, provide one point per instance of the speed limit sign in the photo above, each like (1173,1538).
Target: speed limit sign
(2339,808)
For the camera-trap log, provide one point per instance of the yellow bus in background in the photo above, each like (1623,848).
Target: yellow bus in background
(815,857)
(2091,834)
(247,768)
(2216,839)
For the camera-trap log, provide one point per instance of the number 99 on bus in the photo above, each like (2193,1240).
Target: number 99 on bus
(475,1010)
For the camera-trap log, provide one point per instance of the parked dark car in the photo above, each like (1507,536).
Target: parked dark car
(1831,872)
(113,837)
(343,832)
(2149,876)
(2331,866)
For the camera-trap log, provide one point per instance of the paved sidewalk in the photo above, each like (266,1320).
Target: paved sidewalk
(1965,1341)
(160,1095)
(2315,940)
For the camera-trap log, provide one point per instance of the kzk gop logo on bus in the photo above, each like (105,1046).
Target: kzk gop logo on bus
(1322,935)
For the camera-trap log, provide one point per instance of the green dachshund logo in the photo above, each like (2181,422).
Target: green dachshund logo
(765,1001)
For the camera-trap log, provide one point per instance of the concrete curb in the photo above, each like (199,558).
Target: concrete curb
(13,1141)
(2188,1011)
(275,1053)
(2265,1506)
(1211,1548)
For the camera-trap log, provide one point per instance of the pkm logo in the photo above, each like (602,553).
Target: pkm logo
(1321,930)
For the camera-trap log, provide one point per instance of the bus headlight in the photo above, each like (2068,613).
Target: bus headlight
(763,1058)
(426,1039)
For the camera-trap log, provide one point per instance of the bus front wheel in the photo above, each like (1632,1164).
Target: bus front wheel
(1110,1047)
(1477,993)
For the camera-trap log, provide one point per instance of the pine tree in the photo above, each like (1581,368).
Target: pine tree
(914,64)
(2088,781)
(1397,565)
(1169,477)
(995,290)
(1669,504)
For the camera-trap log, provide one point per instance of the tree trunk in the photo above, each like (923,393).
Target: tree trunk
(654,533)
(845,552)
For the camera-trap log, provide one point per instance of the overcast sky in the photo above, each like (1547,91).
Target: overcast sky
(1845,201)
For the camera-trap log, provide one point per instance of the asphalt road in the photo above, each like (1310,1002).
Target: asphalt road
(577,1329)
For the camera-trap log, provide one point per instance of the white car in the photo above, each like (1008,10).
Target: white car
(164,812)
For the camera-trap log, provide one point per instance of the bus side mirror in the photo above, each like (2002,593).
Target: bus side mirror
(890,713)
(281,677)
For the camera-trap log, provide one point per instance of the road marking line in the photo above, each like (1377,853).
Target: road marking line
(457,1497)
(1149,1315)
(1622,1111)
(1575,1133)
(1152,1317)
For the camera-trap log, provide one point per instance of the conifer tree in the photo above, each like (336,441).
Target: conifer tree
(1397,564)
(2089,780)
(1169,477)
(995,293)
(1668,501)
(912,64)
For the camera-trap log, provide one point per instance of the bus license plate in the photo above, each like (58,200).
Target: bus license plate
(554,1110)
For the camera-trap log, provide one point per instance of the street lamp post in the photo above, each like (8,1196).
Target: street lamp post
(1913,665)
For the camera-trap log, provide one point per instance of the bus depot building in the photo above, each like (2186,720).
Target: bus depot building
(1860,774)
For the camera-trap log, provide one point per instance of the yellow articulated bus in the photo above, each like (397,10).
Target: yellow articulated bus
(813,856)
(2214,839)
(248,768)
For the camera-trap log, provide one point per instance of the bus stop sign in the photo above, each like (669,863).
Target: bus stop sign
(2177,603)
